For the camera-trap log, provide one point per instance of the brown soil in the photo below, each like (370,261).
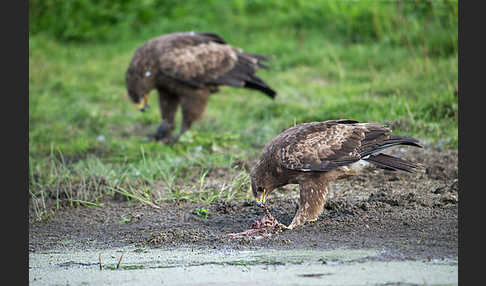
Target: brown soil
(407,216)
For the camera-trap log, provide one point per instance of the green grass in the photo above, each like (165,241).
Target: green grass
(87,141)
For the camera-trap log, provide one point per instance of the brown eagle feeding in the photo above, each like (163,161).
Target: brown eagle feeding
(185,68)
(314,154)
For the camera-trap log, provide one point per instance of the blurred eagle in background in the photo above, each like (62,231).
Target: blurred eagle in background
(316,153)
(186,68)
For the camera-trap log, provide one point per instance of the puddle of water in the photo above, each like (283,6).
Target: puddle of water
(215,267)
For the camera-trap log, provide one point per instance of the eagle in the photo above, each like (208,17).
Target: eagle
(185,68)
(314,154)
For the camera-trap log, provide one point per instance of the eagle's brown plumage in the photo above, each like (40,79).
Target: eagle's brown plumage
(186,68)
(313,154)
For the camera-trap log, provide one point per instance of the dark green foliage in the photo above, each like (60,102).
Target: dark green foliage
(433,25)
(201,212)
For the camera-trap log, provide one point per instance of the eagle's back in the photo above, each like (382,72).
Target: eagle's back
(323,146)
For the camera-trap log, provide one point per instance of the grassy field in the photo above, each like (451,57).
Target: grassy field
(356,60)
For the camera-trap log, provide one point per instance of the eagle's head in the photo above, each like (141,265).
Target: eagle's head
(259,192)
(261,185)
(139,82)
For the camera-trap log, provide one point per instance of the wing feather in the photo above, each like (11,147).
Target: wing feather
(204,59)
(323,146)
(320,146)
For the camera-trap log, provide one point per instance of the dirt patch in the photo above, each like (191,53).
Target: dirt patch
(408,216)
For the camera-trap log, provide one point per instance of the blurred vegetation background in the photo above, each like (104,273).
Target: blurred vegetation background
(393,62)
(432,23)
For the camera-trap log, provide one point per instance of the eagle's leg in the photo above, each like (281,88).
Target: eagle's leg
(193,106)
(168,107)
(311,205)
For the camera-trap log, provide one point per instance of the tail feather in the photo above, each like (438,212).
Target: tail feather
(259,57)
(243,74)
(258,84)
(401,140)
(392,140)
(393,163)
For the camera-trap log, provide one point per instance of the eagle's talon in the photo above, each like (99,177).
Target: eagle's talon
(166,141)
(283,226)
(163,132)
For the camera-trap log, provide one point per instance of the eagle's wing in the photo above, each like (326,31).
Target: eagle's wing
(323,146)
(204,59)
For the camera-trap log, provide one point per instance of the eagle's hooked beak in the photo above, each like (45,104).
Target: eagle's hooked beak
(143,104)
(261,201)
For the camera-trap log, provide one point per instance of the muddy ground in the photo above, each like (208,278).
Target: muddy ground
(407,216)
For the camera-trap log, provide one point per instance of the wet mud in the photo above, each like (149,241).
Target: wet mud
(404,216)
